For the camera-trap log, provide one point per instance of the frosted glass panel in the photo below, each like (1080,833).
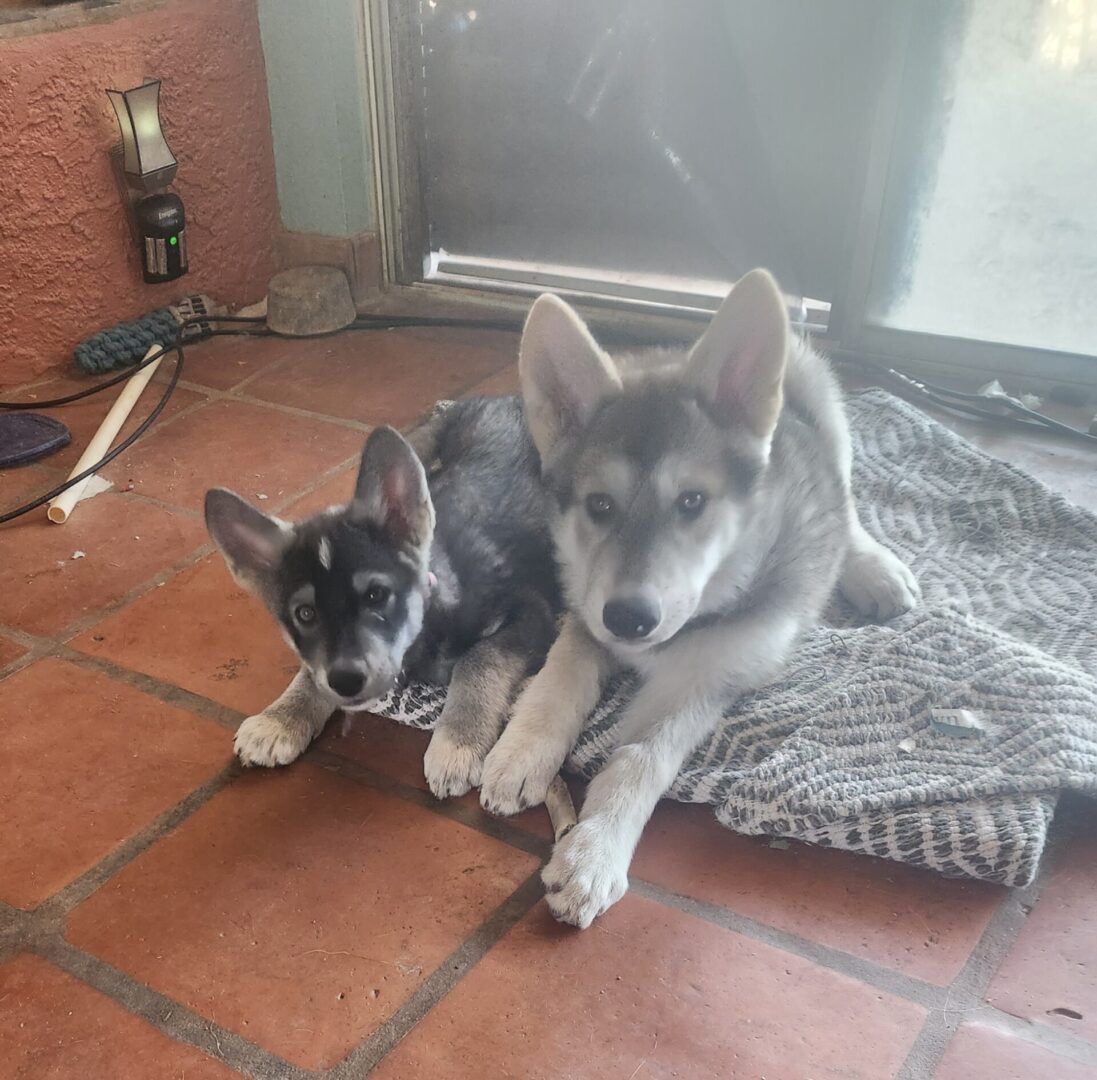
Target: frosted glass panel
(992,228)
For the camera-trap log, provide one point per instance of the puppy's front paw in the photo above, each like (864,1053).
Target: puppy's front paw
(451,768)
(878,583)
(587,874)
(267,740)
(517,774)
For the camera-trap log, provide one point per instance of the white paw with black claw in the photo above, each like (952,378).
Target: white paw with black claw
(451,768)
(587,874)
(265,740)
(517,774)
(879,584)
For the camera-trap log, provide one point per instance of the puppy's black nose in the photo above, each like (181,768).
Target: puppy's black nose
(346,682)
(630,618)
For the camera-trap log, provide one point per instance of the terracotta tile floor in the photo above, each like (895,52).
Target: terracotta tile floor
(164,914)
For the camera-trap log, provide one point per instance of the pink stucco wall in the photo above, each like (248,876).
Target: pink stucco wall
(67,264)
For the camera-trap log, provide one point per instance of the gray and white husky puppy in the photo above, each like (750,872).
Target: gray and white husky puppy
(447,579)
(702,516)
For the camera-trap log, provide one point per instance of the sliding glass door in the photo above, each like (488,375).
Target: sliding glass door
(927,169)
(636,149)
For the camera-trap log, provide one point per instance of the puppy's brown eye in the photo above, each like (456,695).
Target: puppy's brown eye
(600,507)
(304,614)
(690,504)
(376,595)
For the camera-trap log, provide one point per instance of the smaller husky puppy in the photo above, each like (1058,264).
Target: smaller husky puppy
(447,581)
(702,515)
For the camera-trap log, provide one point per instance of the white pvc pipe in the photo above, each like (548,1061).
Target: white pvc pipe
(61,507)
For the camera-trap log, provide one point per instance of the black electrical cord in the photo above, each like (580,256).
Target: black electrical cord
(940,396)
(129,372)
(130,439)
(981,406)
(177,348)
(1030,416)
(363,322)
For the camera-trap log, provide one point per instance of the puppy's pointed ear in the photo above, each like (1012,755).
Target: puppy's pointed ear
(739,362)
(251,542)
(392,490)
(563,371)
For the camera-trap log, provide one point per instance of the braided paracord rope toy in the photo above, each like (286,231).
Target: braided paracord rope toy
(121,346)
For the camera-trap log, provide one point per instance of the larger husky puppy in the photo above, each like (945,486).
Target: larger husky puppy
(702,516)
(448,579)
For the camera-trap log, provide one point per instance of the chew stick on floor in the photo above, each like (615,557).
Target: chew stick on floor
(560,808)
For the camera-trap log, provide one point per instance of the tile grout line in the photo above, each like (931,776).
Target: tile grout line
(166,421)
(28,641)
(57,476)
(161,422)
(47,918)
(13,927)
(289,410)
(168,693)
(375,1047)
(33,653)
(238,392)
(160,504)
(12,393)
(58,906)
(228,718)
(41,931)
(88,620)
(471,817)
(965,993)
(183,1025)
(263,369)
(167,1015)
(161,577)
(890,981)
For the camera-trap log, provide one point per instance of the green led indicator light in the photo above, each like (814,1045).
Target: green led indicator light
(173,241)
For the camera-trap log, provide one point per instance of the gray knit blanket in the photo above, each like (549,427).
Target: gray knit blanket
(846,750)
